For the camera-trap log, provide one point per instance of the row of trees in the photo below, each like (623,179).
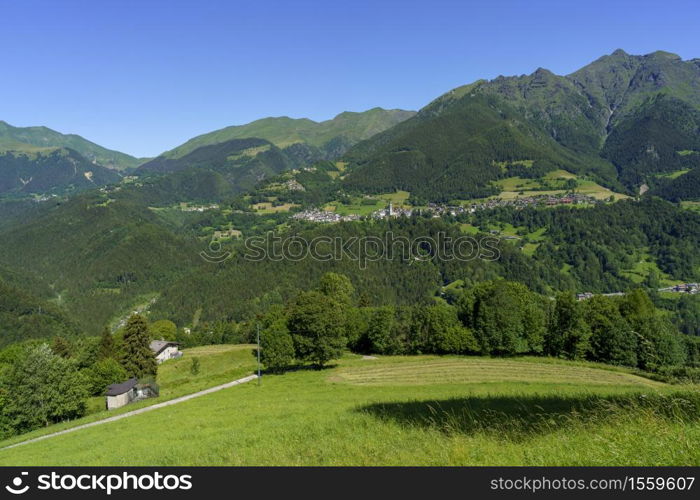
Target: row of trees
(496,318)
(41,384)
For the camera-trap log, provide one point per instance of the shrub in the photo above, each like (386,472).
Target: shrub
(103,373)
(41,389)
(276,347)
(382,336)
(194,367)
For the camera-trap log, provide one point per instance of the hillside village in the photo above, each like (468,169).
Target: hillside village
(438,209)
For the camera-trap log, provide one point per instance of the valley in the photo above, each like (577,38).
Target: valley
(579,325)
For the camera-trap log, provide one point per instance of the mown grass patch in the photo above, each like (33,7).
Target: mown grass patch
(268,208)
(675,174)
(460,370)
(517,187)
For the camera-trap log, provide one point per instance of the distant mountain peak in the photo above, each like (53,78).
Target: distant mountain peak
(542,71)
(662,54)
(27,138)
(619,52)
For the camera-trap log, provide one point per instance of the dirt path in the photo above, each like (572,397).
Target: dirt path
(137,412)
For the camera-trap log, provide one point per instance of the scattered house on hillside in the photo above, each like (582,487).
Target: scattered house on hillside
(164,350)
(227,233)
(122,394)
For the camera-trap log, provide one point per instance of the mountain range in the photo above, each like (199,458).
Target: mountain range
(625,121)
(622,120)
(39,160)
(330,137)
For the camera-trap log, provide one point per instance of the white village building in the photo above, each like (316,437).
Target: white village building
(164,350)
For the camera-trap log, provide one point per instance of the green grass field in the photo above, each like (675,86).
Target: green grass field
(691,205)
(218,364)
(644,267)
(675,174)
(267,207)
(357,207)
(420,410)
(517,187)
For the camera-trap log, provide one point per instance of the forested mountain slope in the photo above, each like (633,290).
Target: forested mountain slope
(98,256)
(50,171)
(617,120)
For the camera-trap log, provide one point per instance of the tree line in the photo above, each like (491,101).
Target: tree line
(493,318)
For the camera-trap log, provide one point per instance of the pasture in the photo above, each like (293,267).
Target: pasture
(420,410)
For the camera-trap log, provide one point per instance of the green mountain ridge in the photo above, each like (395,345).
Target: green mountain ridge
(24,316)
(449,148)
(224,168)
(333,135)
(235,159)
(30,138)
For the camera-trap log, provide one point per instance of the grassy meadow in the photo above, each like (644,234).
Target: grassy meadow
(364,206)
(517,187)
(219,364)
(419,410)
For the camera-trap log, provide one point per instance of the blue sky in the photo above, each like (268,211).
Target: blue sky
(144,76)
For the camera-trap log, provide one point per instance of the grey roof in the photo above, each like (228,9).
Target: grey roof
(117,389)
(158,345)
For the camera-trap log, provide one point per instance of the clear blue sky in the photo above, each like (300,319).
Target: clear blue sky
(144,76)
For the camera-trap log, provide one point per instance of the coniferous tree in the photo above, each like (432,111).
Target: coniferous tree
(137,357)
(61,347)
(106,348)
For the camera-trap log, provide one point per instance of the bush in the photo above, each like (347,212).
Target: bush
(276,347)
(163,330)
(442,332)
(194,368)
(382,336)
(612,339)
(692,349)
